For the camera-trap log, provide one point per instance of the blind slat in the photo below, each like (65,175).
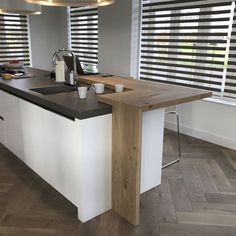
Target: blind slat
(181,84)
(182,72)
(182,60)
(189,6)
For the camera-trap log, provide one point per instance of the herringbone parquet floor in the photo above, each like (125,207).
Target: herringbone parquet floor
(197,197)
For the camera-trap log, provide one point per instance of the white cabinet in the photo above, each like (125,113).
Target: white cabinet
(74,156)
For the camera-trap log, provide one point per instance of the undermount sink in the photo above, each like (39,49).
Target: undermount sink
(53,89)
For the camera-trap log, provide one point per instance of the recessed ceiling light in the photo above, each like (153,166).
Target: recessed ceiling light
(19,7)
(72,2)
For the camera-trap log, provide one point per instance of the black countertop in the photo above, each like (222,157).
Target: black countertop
(67,104)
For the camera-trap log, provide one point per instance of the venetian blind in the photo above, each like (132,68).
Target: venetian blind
(185,42)
(14,38)
(230,84)
(84,35)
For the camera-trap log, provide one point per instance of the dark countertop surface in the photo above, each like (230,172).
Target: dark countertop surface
(67,104)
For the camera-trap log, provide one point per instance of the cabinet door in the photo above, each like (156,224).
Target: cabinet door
(60,154)
(12,123)
(50,147)
(31,125)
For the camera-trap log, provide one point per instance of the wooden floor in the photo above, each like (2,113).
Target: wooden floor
(197,198)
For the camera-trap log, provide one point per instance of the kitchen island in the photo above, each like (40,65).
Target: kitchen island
(96,159)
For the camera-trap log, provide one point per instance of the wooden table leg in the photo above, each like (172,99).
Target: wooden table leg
(126,161)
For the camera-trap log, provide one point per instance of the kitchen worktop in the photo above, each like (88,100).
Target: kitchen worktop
(140,94)
(146,95)
(67,104)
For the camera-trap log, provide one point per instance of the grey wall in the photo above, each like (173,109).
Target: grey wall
(48,32)
(63,27)
(114,39)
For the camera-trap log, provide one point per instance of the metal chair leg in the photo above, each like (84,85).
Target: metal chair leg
(179,147)
(178,139)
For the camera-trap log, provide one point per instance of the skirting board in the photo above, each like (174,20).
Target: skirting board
(201,134)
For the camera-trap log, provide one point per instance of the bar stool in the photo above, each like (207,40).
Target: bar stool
(173,111)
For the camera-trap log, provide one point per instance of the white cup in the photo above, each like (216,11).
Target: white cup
(119,88)
(99,88)
(82,92)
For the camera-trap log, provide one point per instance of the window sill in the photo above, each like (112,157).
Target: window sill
(223,101)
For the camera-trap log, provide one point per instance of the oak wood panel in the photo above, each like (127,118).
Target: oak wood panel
(166,205)
(149,214)
(146,95)
(220,198)
(215,208)
(207,183)
(194,189)
(126,161)
(195,230)
(216,173)
(230,157)
(206,219)
(180,196)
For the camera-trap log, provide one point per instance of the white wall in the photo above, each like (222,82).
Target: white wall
(47,32)
(209,121)
(114,34)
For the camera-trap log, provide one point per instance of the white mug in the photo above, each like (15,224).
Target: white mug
(119,88)
(99,88)
(82,92)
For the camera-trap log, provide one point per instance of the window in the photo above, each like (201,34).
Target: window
(14,38)
(84,36)
(188,43)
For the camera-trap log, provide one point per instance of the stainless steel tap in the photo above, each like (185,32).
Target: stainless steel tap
(56,57)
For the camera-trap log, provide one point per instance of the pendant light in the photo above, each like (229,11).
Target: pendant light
(73,3)
(19,7)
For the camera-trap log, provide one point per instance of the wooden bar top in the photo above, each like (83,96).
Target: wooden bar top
(146,95)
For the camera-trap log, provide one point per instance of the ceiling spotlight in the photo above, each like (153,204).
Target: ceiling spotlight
(19,7)
(73,3)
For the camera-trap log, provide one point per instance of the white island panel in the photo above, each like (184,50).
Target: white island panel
(152,149)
